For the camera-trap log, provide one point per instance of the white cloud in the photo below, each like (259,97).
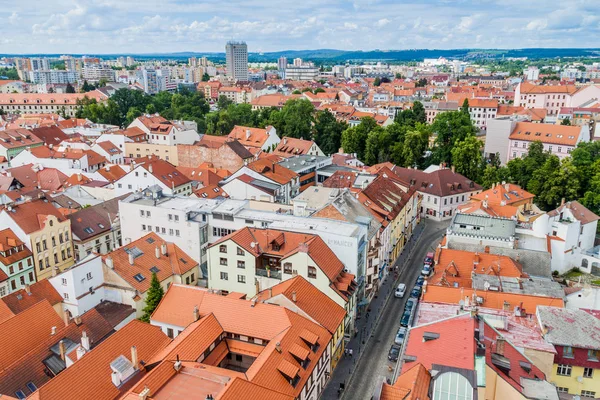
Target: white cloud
(382,22)
(537,25)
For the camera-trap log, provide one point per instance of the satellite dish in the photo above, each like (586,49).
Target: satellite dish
(486,285)
(252,244)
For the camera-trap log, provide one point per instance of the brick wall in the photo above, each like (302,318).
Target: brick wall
(222,157)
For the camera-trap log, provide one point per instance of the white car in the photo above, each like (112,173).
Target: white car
(400,291)
(399,339)
(426,271)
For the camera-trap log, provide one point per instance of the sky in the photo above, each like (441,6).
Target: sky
(152,26)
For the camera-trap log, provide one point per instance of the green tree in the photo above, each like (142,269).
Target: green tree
(565,121)
(467,158)
(553,181)
(378,146)
(591,195)
(493,174)
(295,119)
(415,144)
(132,114)
(419,112)
(70,88)
(296,92)
(9,73)
(421,82)
(151,109)
(223,102)
(327,132)
(205,77)
(86,87)
(153,296)
(465,106)
(377,81)
(354,139)
(450,127)
(319,90)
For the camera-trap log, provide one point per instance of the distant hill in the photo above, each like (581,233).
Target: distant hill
(332,55)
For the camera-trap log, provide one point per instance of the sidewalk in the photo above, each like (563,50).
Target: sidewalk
(365,325)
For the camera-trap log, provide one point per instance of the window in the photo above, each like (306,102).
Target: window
(563,369)
(240,252)
(89,276)
(143,227)
(177,232)
(31,386)
(31,278)
(223,248)
(66,296)
(223,261)
(562,389)
(588,393)
(312,272)
(11,270)
(287,268)
(588,372)
(241,279)
(141,213)
(176,218)
(238,357)
(170,333)
(64,281)
(20,394)
(241,264)
(567,352)
(224,276)
(171,232)
(20,265)
(170,217)
(593,355)
(164,230)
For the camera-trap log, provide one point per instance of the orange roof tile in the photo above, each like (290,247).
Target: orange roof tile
(546,133)
(411,385)
(273,171)
(497,300)
(21,300)
(27,329)
(249,137)
(13,248)
(174,262)
(31,216)
(507,193)
(291,146)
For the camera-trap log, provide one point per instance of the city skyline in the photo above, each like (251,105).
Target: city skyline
(177,26)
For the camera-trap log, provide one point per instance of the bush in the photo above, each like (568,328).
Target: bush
(554,273)
(576,269)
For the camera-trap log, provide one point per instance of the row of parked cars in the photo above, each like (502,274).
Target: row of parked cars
(410,306)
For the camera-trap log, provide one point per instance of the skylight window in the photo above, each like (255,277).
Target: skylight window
(139,277)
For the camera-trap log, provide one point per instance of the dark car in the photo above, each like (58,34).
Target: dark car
(420,281)
(406,317)
(410,304)
(416,292)
(394,353)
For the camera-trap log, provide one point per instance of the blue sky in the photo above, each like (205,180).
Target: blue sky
(141,26)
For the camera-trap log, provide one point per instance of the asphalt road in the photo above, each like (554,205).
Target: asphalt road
(374,363)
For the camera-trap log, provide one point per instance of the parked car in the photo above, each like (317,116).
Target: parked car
(399,340)
(406,318)
(429,258)
(416,292)
(400,290)
(426,271)
(410,304)
(394,353)
(420,281)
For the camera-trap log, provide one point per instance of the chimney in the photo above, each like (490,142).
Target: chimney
(131,258)
(270,293)
(506,306)
(163,249)
(285,140)
(78,177)
(85,340)
(278,347)
(134,357)
(80,352)
(150,168)
(507,187)
(562,202)
(77,320)
(66,318)
(294,296)
(487,250)
(500,345)
(144,393)
(53,331)
(157,252)
(196,313)
(453,169)
(28,290)
(109,262)
(476,258)
(62,350)
(248,134)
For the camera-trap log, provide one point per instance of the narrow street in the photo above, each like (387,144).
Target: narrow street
(361,373)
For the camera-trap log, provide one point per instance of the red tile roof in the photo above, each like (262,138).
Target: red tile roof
(546,133)
(9,242)
(291,146)
(273,171)
(31,216)
(21,300)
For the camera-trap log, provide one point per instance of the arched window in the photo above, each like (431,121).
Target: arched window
(452,385)
(584,263)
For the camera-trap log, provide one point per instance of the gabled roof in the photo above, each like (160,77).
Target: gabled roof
(579,211)
(385,198)
(210,192)
(112,173)
(506,193)
(91,375)
(31,368)
(272,171)
(546,133)
(16,138)
(249,137)
(570,327)
(411,385)
(442,182)
(50,135)
(95,220)
(26,330)
(289,146)
(530,88)
(310,300)
(14,249)
(138,275)
(31,216)
(50,179)
(21,300)
(163,170)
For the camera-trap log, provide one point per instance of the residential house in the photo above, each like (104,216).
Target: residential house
(31,295)
(552,98)
(151,171)
(97,228)
(67,160)
(161,131)
(34,103)
(307,167)
(574,335)
(14,141)
(109,151)
(128,270)
(559,140)
(45,231)
(50,135)
(481,110)
(272,346)
(442,190)
(16,263)
(255,139)
(289,147)
(221,153)
(300,296)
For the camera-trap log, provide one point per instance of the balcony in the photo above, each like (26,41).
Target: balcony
(269,273)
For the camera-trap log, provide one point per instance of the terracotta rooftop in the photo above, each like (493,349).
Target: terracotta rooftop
(273,171)
(31,216)
(15,138)
(143,250)
(288,146)
(95,220)
(504,194)
(22,299)
(30,176)
(12,249)
(546,133)
(112,173)
(249,137)
(579,211)
(443,182)
(411,385)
